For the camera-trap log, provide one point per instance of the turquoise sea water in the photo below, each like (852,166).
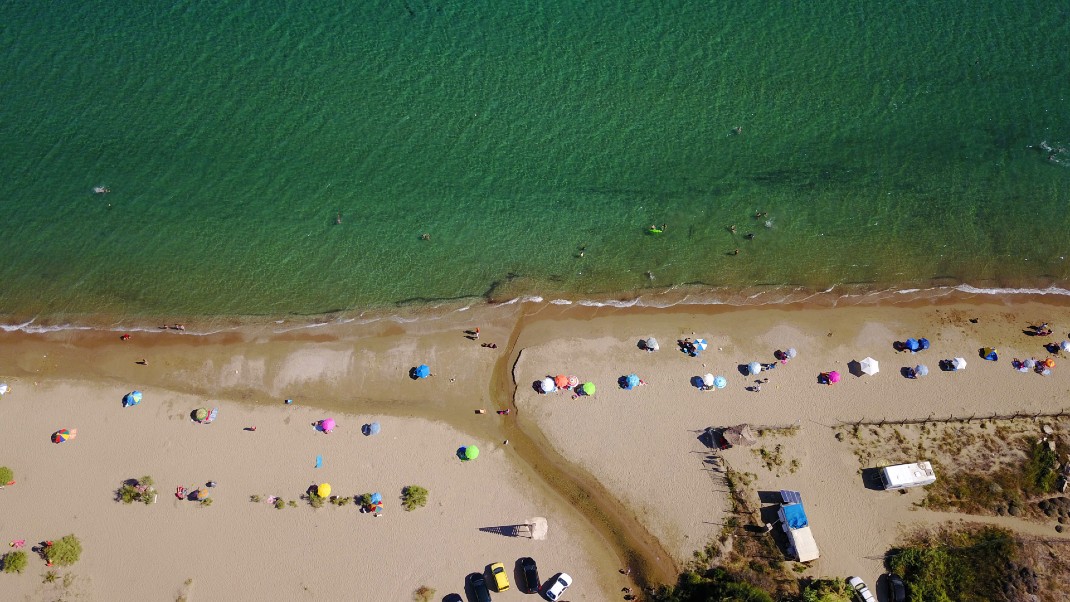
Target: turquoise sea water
(890,144)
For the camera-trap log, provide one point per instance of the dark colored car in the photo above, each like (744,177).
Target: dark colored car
(897,590)
(531,583)
(453,598)
(478,583)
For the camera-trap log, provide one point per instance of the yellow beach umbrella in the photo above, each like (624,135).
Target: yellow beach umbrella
(324,490)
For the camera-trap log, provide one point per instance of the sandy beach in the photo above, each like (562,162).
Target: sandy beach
(632,458)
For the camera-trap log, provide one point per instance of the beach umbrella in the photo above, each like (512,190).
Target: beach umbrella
(197,494)
(423,371)
(652,344)
(323,490)
(958,363)
(912,344)
(754,367)
(1030,363)
(471,452)
(64,435)
(201,414)
(923,343)
(377,498)
(834,377)
(1065,346)
(573,380)
(547,385)
(790,353)
(374,428)
(720,382)
(1049,363)
(870,366)
(707,380)
(327,425)
(587,388)
(561,381)
(989,353)
(701,345)
(132,399)
(632,381)
(921,370)
(4,387)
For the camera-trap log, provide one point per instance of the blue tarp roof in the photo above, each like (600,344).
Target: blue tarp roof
(795,516)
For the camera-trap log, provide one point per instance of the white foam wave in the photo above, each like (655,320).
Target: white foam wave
(560,302)
(1051,290)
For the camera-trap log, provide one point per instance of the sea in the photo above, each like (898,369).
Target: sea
(311,157)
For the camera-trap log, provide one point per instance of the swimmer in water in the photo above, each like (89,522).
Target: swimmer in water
(425,236)
(749,236)
(338,220)
(732,229)
(101,190)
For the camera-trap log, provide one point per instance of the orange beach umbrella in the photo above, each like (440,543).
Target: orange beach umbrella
(561,381)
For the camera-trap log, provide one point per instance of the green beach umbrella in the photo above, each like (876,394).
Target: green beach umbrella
(200,414)
(471,452)
(587,388)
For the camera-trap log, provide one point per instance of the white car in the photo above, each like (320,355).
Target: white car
(558,587)
(862,593)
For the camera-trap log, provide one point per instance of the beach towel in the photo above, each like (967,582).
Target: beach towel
(319,461)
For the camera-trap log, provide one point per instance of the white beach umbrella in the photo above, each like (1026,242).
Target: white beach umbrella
(870,366)
(707,380)
(652,344)
(3,388)
(1030,363)
(790,353)
(958,363)
(1065,345)
(921,370)
(754,367)
(547,385)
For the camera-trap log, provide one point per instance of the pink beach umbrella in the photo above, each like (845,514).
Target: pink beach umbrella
(327,425)
(573,381)
(834,377)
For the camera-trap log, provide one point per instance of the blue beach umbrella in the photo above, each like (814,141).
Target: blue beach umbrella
(912,344)
(923,344)
(423,371)
(701,345)
(696,381)
(372,429)
(132,399)
(720,382)
(377,497)
(754,367)
(921,370)
(631,381)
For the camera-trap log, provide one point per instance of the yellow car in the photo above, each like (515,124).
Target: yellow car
(501,580)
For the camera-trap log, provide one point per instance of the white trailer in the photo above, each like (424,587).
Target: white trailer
(902,476)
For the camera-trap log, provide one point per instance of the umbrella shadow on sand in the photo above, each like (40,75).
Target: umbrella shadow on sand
(744,369)
(855,367)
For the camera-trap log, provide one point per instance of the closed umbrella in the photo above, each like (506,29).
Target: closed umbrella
(921,370)
(587,388)
(754,367)
(423,371)
(870,366)
(720,382)
(561,381)
(958,363)
(631,381)
(652,344)
(834,377)
(701,345)
(707,380)
(324,490)
(547,385)
(471,452)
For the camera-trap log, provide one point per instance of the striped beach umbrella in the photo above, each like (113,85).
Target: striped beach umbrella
(701,345)
(64,435)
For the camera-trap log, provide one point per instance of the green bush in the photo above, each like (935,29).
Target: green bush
(714,584)
(967,564)
(6,475)
(291,503)
(64,552)
(254,499)
(413,497)
(827,590)
(14,562)
(206,502)
(141,490)
(315,500)
(1041,472)
(365,499)
(280,504)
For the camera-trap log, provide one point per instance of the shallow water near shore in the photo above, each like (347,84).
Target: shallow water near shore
(884,147)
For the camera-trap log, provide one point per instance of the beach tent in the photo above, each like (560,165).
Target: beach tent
(471,452)
(739,435)
(547,385)
(869,366)
(958,363)
(372,429)
(324,490)
(921,370)
(587,388)
(911,345)
(701,345)
(423,371)
(327,425)
(651,344)
(989,353)
(754,368)
(834,377)
(923,344)
(132,399)
(720,382)
(561,381)
(707,380)
(64,435)
(631,381)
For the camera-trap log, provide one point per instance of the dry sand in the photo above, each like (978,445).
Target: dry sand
(642,446)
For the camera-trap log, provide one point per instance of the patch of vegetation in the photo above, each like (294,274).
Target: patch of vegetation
(712,584)
(413,497)
(291,503)
(137,490)
(827,590)
(423,594)
(365,500)
(6,475)
(280,504)
(315,500)
(341,500)
(1041,469)
(49,577)
(966,565)
(206,502)
(14,562)
(64,552)
(254,498)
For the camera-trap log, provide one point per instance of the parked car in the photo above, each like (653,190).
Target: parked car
(453,598)
(501,580)
(531,583)
(862,593)
(558,586)
(479,587)
(897,590)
